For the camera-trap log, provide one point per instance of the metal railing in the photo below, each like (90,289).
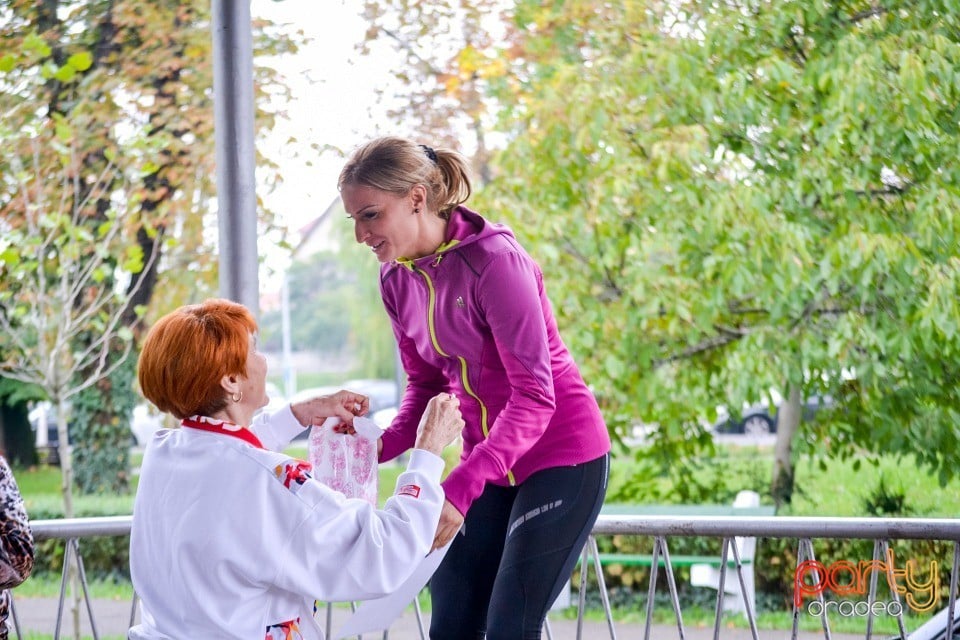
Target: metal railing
(661,528)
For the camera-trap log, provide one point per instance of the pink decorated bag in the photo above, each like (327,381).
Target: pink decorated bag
(346,463)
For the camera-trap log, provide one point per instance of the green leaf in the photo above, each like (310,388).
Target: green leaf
(133,261)
(37,45)
(80,61)
(10,256)
(63,130)
(66,73)
(7,63)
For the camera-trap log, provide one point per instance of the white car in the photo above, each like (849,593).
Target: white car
(384,417)
(936,627)
(144,421)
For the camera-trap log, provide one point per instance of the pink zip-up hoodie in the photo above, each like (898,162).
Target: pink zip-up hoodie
(473,319)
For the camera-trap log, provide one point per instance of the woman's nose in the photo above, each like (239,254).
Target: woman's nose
(360,233)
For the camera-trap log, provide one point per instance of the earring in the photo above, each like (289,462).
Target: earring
(237,397)
(416,209)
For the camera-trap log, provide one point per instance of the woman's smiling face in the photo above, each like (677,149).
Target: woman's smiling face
(383,221)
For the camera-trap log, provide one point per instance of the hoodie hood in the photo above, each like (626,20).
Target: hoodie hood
(465,227)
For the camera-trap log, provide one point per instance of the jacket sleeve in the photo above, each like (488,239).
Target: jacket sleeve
(16,539)
(276,430)
(423,382)
(514,307)
(345,549)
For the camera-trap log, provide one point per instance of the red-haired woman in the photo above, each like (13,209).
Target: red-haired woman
(233,540)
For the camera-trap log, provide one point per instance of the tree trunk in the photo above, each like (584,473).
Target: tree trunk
(788,423)
(65,451)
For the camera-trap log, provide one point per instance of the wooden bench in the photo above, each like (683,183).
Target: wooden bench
(704,569)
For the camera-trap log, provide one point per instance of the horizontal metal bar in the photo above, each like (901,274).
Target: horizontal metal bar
(710,526)
(659,527)
(81,527)
(781,527)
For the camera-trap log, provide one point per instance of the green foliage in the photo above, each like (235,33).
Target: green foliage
(319,289)
(838,491)
(335,308)
(101,427)
(886,502)
(446,60)
(14,391)
(103,556)
(741,202)
(371,336)
(108,163)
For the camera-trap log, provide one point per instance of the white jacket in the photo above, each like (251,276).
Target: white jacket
(229,540)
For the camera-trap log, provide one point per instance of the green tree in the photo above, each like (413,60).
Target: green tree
(135,80)
(106,192)
(732,200)
(371,336)
(62,303)
(321,288)
(446,62)
(336,308)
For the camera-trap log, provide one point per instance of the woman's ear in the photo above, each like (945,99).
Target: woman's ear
(418,197)
(230,384)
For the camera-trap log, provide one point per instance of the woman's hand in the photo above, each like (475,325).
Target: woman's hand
(450,522)
(342,404)
(441,423)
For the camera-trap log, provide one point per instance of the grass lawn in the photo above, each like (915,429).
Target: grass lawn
(824,487)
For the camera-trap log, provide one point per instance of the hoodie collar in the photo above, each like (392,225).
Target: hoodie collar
(464,226)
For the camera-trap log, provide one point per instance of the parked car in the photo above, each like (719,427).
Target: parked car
(144,420)
(384,417)
(310,392)
(305,394)
(43,420)
(383,393)
(936,627)
(276,398)
(758,419)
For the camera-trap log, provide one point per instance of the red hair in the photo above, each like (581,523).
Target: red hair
(187,353)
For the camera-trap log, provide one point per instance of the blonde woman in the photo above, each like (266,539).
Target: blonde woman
(471,316)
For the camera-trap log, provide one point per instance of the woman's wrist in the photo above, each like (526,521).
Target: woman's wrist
(303,415)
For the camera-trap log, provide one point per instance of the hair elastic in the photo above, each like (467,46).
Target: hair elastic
(430,153)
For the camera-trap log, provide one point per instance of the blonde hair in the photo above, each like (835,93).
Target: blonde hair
(396,165)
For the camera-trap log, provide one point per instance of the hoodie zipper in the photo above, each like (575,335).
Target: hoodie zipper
(464,380)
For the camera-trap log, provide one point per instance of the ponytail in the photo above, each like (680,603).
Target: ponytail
(396,165)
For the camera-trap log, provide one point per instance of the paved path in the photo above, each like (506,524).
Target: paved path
(38,615)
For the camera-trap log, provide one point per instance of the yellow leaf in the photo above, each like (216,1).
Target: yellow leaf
(452,84)
(80,61)
(66,73)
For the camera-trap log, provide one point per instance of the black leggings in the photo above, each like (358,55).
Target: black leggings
(518,548)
